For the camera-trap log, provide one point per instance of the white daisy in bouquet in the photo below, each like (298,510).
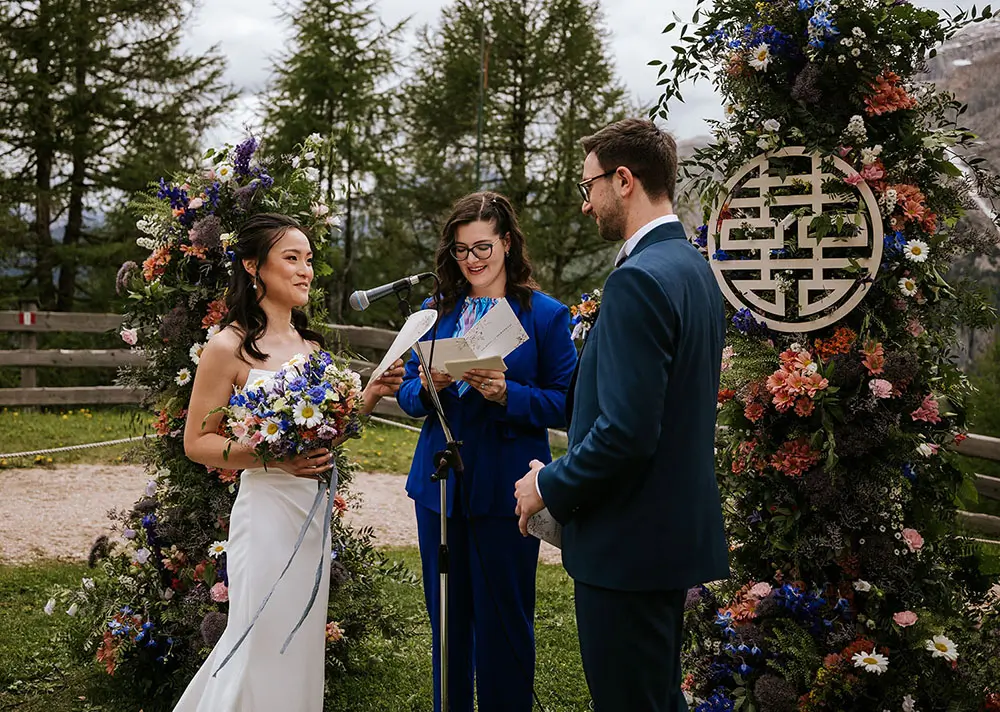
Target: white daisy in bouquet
(311,401)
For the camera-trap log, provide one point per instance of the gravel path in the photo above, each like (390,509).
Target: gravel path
(57,513)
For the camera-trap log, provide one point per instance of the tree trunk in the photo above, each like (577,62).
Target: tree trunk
(81,129)
(44,150)
(346,275)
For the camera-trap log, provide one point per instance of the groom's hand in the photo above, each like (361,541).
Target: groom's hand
(528,500)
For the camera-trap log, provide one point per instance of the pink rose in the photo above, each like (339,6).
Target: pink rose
(761,590)
(843,151)
(130,336)
(904,619)
(880,388)
(914,328)
(220,593)
(853,179)
(872,172)
(195,203)
(913,540)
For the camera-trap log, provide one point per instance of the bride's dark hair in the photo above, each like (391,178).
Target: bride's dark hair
(253,242)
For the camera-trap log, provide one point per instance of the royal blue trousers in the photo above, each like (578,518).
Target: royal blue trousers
(491,588)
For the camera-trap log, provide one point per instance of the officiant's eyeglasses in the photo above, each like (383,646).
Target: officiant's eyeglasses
(482,251)
(584,185)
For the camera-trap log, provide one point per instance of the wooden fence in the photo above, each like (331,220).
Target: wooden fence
(29,323)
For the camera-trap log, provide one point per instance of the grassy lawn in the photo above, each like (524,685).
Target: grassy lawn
(395,675)
(22,431)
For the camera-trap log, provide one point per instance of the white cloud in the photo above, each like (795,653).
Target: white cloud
(251,34)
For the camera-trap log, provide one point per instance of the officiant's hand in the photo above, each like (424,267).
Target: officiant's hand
(441,379)
(528,500)
(492,384)
(388,383)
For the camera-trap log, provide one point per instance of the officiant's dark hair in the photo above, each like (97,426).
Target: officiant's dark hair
(496,210)
(642,147)
(254,242)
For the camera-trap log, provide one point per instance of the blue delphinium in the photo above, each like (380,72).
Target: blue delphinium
(242,155)
(745,323)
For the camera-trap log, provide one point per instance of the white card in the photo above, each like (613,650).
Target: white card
(417,324)
(457,369)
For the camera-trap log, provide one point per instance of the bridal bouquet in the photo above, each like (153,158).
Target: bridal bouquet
(308,403)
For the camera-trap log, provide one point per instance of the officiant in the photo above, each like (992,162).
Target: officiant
(501,417)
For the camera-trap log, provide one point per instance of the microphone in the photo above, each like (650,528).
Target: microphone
(362,299)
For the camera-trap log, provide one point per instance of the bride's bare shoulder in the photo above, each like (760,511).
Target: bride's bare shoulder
(225,344)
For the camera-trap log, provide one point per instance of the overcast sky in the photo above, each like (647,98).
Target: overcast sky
(251,35)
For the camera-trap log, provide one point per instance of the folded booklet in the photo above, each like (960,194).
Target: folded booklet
(543,525)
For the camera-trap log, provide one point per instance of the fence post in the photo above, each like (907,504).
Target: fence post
(29,340)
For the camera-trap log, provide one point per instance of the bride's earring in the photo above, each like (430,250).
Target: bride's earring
(254,284)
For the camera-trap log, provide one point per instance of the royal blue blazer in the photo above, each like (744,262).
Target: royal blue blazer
(498,441)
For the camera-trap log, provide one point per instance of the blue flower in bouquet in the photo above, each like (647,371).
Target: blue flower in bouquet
(176,195)
(718,702)
(894,243)
(308,402)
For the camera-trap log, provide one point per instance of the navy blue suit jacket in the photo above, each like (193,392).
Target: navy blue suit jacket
(498,441)
(636,492)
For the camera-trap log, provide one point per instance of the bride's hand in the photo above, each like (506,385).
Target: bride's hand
(309,465)
(388,383)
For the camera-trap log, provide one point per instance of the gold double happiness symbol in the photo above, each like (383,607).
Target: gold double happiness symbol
(792,242)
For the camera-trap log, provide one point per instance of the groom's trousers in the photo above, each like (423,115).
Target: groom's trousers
(630,642)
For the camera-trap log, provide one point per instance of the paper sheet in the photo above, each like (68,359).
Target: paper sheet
(496,334)
(457,369)
(543,526)
(417,324)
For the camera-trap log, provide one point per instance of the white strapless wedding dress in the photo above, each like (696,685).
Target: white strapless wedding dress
(266,519)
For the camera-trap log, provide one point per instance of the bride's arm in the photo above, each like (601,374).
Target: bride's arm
(217,371)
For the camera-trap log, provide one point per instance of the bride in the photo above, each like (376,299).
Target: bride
(272,273)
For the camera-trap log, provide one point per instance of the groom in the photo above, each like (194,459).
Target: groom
(636,492)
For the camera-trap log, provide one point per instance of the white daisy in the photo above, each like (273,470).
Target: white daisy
(307,414)
(270,429)
(942,647)
(907,286)
(760,57)
(183,377)
(195,352)
(224,173)
(259,382)
(212,331)
(296,360)
(871,662)
(916,251)
(217,549)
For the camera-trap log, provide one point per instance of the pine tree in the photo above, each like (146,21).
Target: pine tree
(336,81)
(548,83)
(95,93)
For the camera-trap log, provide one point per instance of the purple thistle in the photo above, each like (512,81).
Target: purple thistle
(206,233)
(242,155)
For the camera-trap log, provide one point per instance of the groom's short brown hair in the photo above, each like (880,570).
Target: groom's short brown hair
(639,145)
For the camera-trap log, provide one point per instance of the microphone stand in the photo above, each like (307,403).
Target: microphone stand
(449,458)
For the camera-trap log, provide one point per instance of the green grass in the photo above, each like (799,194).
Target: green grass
(392,675)
(22,431)
(384,448)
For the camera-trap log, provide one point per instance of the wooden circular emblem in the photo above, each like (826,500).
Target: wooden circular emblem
(794,243)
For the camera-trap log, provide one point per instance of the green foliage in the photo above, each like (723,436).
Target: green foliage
(549,83)
(23,431)
(95,96)
(840,492)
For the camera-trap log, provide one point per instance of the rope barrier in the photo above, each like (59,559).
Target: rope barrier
(120,441)
(68,448)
